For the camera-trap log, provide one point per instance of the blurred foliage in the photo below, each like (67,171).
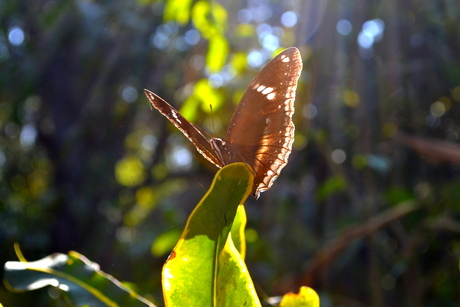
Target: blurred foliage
(75,280)
(85,165)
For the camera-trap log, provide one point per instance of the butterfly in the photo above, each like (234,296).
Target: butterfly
(261,131)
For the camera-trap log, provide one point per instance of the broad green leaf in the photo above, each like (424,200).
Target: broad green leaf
(307,297)
(79,279)
(200,272)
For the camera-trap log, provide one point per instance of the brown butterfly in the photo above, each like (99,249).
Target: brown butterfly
(261,131)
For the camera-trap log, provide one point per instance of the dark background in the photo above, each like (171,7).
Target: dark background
(367,210)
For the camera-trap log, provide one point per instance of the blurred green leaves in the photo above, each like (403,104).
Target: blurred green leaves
(177,10)
(210,18)
(203,98)
(334,184)
(217,53)
(80,281)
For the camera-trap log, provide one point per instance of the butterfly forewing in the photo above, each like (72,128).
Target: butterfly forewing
(261,131)
(188,129)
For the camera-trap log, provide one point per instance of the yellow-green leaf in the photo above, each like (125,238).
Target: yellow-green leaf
(200,272)
(307,297)
(238,236)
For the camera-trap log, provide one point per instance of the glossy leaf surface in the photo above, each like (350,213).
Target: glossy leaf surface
(205,268)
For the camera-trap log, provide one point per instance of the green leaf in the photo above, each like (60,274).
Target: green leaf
(237,232)
(307,297)
(79,279)
(200,271)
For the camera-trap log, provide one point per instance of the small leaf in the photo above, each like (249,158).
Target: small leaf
(200,272)
(234,285)
(307,297)
(79,279)
(238,236)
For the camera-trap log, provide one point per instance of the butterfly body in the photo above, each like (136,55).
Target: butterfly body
(261,131)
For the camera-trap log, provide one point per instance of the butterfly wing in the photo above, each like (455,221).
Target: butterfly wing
(261,131)
(187,128)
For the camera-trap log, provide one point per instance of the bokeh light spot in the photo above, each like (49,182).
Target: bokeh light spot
(437,108)
(244,16)
(28,136)
(338,156)
(16,36)
(309,111)
(344,27)
(255,58)
(180,158)
(129,171)
(262,13)
(289,19)
(372,31)
(149,142)
(455,94)
(270,42)
(145,197)
(192,37)
(128,93)
(351,98)
(365,40)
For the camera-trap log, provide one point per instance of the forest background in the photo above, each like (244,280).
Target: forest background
(367,210)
